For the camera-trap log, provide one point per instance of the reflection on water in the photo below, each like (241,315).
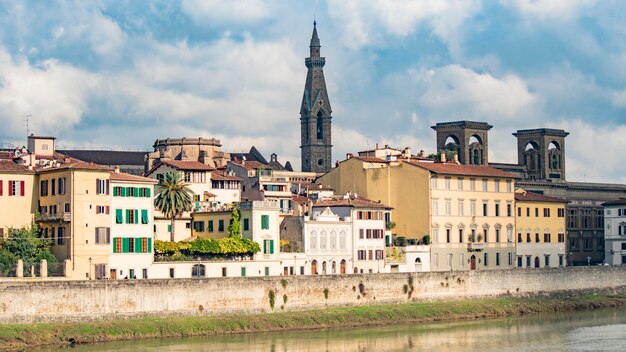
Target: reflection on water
(602,330)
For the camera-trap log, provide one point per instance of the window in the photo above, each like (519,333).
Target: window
(144,273)
(536,212)
(527,212)
(561,237)
(450,260)
(43,188)
(117,191)
(537,237)
(510,259)
(61,236)
(485,212)
(461,236)
(547,261)
(171,269)
(485,185)
(117,245)
(472,184)
(102,209)
(16,188)
(509,209)
(132,216)
(435,207)
(588,244)
(447,183)
(448,235)
(486,259)
(519,212)
(460,183)
(102,186)
(210,225)
(103,235)
(472,207)
(461,207)
(131,245)
(496,186)
(528,259)
(509,187)
(497,259)
(243,271)
(497,234)
(519,262)
(268,246)
(486,230)
(546,238)
(265,222)
(220,225)
(246,224)
(497,209)
(448,207)
(198,226)
(561,261)
(53,186)
(528,237)
(434,182)
(144,216)
(546,212)
(435,235)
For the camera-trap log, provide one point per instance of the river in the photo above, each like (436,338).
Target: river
(600,330)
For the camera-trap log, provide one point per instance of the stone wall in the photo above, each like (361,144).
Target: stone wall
(30,301)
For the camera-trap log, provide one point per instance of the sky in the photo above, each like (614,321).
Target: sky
(120,74)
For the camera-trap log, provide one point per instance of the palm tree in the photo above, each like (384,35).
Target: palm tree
(173,198)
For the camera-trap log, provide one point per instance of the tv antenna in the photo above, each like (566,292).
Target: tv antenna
(27,129)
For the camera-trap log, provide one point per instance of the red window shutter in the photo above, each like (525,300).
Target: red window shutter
(106,191)
(11,188)
(107,209)
(97,186)
(0,187)
(21,188)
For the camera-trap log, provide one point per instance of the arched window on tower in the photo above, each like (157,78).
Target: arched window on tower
(555,162)
(320,125)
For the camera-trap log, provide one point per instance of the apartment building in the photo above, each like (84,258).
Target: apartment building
(18,185)
(615,231)
(540,230)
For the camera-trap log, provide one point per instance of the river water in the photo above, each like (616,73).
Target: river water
(600,330)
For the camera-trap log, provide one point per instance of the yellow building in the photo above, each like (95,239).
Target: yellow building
(74,212)
(540,224)
(17,186)
(213,224)
(467,210)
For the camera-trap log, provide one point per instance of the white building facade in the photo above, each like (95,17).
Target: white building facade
(615,232)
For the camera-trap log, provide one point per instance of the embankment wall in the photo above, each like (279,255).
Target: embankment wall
(33,301)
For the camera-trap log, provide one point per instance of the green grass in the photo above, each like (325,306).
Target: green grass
(37,334)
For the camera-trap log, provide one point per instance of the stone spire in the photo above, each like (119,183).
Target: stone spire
(315,113)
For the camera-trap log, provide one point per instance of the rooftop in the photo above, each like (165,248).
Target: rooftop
(463,123)
(534,197)
(621,201)
(108,157)
(120,176)
(350,201)
(462,170)
(220,175)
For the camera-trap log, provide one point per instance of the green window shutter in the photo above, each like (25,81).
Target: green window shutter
(137,192)
(136,216)
(128,216)
(124,193)
(119,218)
(149,245)
(115,245)
(125,245)
(271,246)
(169,228)
(148,192)
(144,216)
(137,245)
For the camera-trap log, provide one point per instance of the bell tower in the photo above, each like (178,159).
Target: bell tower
(315,113)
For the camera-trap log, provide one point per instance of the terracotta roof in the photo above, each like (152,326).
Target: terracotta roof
(313,186)
(300,199)
(187,165)
(251,164)
(534,197)
(10,166)
(47,157)
(350,202)
(209,194)
(120,176)
(462,170)
(80,165)
(370,159)
(4,154)
(223,176)
(621,201)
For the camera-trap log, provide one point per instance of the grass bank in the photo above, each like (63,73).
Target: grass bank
(23,336)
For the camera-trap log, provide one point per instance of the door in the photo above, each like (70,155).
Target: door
(473,262)
(323,268)
(314,267)
(334,267)
(342,267)
(113,274)
(536,262)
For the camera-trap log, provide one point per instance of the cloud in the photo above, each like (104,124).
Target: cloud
(550,10)
(365,23)
(456,92)
(211,12)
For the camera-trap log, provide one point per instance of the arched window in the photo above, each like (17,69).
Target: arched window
(313,239)
(476,157)
(323,240)
(320,125)
(342,240)
(333,240)
(555,162)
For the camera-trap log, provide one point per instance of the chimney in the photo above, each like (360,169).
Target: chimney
(407,152)
(116,169)
(442,155)
(376,146)
(421,154)
(456,158)
(349,156)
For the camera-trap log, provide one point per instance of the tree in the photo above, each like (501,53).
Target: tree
(173,198)
(26,244)
(234,229)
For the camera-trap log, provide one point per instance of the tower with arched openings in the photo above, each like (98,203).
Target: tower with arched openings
(542,152)
(315,113)
(469,139)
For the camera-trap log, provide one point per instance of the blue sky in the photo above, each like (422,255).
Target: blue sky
(124,73)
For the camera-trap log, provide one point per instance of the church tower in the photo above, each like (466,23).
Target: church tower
(315,113)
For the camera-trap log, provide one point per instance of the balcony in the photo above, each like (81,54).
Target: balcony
(475,246)
(56,217)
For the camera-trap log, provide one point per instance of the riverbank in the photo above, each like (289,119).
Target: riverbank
(23,336)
